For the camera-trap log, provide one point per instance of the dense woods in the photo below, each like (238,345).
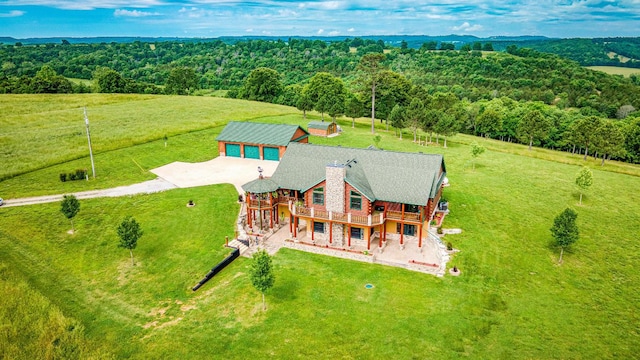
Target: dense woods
(521,94)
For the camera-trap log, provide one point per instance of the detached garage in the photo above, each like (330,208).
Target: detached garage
(258,141)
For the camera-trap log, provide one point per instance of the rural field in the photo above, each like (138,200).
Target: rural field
(616,70)
(78,296)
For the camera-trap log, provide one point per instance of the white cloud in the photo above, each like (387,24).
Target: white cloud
(351,30)
(87,4)
(320,31)
(466,27)
(133,13)
(334,33)
(12,13)
(249,30)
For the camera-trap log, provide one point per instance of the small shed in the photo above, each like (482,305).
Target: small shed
(258,140)
(321,128)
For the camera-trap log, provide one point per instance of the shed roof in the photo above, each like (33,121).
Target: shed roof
(259,133)
(322,125)
(409,178)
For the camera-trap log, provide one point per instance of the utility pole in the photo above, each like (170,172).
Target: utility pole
(86,121)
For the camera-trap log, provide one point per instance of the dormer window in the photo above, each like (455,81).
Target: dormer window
(318,196)
(355,202)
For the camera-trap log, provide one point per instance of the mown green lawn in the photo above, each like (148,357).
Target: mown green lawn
(512,300)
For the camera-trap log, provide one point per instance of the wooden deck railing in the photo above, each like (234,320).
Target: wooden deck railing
(368,220)
(259,203)
(397,215)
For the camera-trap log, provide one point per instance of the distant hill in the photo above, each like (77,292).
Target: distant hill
(413,41)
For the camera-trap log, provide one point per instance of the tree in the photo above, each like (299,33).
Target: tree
(70,207)
(49,82)
(261,273)
(609,140)
(533,125)
(371,68)
(324,90)
(335,110)
(583,131)
(487,47)
(490,120)
(565,230)
(415,115)
(129,232)
(181,81)
(446,126)
(108,81)
(353,108)
(584,180)
(376,140)
(262,84)
(397,118)
(304,104)
(476,150)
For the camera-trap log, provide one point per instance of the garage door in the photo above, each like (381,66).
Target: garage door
(251,152)
(271,153)
(232,150)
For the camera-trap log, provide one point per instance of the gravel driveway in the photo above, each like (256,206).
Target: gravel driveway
(220,170)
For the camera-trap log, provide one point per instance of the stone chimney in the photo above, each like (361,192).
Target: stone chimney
(334,197)
(334,193)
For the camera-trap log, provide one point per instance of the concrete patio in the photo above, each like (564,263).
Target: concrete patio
(432,258)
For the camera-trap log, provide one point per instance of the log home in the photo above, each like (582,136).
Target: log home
(348,198)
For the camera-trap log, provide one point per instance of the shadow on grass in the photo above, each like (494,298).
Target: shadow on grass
(285,289)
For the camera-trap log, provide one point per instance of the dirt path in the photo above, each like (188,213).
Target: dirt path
(175,175)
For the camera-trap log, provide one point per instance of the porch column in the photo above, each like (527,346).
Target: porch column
(313,228)
(349,235)
(402,227)
(330,233)
(369,239)
(290,223)
(420,235)
(249,217)
(295,226)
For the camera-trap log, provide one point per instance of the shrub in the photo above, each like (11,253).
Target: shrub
(79,174)
(449,246)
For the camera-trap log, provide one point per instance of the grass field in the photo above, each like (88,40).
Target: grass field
(615,70)
(512,301)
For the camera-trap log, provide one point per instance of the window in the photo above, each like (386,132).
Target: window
(412,208)
(406,229)
(318,227)
(356,233)
(356,201)
(410,230)
(318,196)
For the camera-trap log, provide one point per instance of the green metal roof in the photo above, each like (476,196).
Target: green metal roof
(260,186)
(322,125)
(259,133)
(409,178)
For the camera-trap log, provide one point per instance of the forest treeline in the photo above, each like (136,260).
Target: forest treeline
(436,88)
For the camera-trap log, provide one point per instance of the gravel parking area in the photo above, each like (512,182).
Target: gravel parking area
(220,170)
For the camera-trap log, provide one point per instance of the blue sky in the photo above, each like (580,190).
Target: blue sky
(212,18)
